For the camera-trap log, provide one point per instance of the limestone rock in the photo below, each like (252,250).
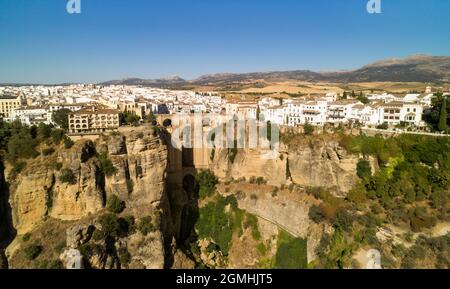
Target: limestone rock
(78,235)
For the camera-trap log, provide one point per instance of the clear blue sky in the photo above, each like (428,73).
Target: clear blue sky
(114,39)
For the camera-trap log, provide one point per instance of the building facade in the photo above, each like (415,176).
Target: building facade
(93,120)
(8,104)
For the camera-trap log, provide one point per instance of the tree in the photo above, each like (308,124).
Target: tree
(151,118)
(207,182)
(21,146)
(61,118)
(57,135)
(32,251)
(308,129)
(68,177)
(344,96)
(115,205)
(442,125)
(106,165)
(129,117)
(363,98)
(364,170)
(316,214)
(44,131)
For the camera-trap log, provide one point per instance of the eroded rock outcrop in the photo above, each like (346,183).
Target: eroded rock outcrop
(44,190)
(320,163)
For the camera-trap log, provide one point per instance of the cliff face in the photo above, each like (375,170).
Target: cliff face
(139,158)
(317,164)
(41,196)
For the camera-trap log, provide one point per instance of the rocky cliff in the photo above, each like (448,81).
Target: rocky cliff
(72,186)
(319,163)
(61,200)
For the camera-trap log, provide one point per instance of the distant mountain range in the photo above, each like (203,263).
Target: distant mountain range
(416,68)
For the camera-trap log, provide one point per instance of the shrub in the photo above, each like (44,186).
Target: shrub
(44,131)
(217,223)
(115,205)
(316,214)
(106,165)
(50,265)
(364,170)
(291,252)
(383,126)
(18,168)
(258,181)
(67,176)
(21,146)
(48,151)
(57,166)
(146,226)
(207,182)
(112,226)
(26,237)
(32,251)
(124,256)
(68,143)
(130,186)
(308,129)
(251,222)
(57,136)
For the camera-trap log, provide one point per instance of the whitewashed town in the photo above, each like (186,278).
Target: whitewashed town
(96,109)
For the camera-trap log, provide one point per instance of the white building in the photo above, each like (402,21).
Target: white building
(31,115)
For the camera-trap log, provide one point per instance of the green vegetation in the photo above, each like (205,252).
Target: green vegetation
(68,143)
(61,118)
(57,166)
(308,129)
(251,221)
(364,170)
(258,181)
(57,136)
(291,252)
(217,223)
(207,182)
(383,126)
(26,237)
(113,227)
(363,98)
(115,205)
(67,176)
(18,168)
(316,214)
(106,165)
(31,252)
(439,116)
(146,226)
(48,151)
(124,256)
(50,265)
(443,117)
(150,118)
(411,189)
(129,118)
